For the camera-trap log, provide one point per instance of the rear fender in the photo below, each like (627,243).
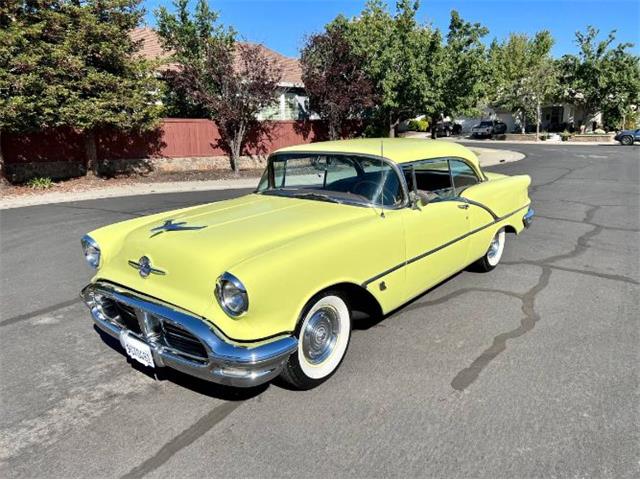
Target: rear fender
(503,195)
(499,202)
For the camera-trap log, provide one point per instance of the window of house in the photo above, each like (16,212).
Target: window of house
(270,112)
(294,106)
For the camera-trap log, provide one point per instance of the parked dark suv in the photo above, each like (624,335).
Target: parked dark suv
(487,128)
(446,129)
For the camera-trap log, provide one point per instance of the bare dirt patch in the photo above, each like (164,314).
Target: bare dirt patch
(83,184)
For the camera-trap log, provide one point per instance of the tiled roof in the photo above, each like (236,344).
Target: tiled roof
(151,49)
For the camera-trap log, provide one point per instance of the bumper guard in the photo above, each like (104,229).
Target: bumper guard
(226,363)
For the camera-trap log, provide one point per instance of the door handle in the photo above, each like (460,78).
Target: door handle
(464,206)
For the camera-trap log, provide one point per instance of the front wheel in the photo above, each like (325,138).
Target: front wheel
(626,140)
(323,338)
(490,259)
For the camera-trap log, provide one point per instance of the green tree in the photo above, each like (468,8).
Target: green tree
(109,86)
(601,78)
(71,63)
(463,70)
(524,75)
(399,58)
(338,88)
(32,65)
(542,87)
(188,37)
(232,82)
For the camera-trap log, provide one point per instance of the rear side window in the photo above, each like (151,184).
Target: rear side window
(463,175)
(431,177)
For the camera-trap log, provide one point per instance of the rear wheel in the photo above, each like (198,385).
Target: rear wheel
(626,140)
(323,339)
(490,259)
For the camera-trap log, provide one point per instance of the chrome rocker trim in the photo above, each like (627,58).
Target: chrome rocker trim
(226,363)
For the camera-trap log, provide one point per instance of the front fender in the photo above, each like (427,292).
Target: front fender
(281,281)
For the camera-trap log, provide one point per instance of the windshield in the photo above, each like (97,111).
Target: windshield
(339,178)
(486,124)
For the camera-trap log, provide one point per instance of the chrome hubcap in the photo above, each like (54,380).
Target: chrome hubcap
(494,248)
(320,335)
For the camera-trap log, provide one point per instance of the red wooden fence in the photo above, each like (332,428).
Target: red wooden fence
(175,138)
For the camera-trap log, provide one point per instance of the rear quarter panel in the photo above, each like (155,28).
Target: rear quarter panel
(507,197)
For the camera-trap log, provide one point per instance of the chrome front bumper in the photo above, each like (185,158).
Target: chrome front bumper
(119,312)
(528,217)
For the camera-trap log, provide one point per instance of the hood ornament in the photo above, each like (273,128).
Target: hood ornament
(144,267)
(170,226)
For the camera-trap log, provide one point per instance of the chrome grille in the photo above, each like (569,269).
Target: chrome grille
(128,317)
(179,339)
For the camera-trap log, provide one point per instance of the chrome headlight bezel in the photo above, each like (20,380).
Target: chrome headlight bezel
(226,285)
(91,251)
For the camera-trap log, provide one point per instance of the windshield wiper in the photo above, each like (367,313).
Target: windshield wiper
(316,196)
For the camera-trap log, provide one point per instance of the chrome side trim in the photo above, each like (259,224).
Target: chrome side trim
(437,249)
(481,205)
(227,363)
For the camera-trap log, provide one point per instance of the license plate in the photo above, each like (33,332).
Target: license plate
(138,350)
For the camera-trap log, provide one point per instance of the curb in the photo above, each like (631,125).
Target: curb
(533,142)
(130,191)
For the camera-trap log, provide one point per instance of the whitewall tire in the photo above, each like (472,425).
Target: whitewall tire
(323,338)
(494,253)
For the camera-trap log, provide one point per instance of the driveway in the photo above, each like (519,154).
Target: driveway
(530,370)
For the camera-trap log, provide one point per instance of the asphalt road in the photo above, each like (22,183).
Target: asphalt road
(530,370)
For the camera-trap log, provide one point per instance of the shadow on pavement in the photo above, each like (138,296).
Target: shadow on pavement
(194,384)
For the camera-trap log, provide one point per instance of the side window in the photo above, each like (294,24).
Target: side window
(463,175)
(432,177)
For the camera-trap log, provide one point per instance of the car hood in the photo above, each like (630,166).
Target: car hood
(210,240)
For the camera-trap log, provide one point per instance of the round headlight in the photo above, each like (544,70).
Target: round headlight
(91,251)
(231,295)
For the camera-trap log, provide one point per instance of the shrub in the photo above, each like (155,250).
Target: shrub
(599,131)
(544,136)
(421,125)
(565,136)
(40,183)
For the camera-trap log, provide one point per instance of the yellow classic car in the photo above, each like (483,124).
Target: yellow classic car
(240,291)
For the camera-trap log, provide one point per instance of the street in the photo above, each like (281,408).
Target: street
(530,370)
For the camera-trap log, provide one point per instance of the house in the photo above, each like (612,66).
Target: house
(555,118)
(292,103)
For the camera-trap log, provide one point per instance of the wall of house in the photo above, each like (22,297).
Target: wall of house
(468,123)
(291,104)
(180,143)
(571,115)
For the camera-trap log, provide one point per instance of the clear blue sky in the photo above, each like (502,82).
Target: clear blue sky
(283,24)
